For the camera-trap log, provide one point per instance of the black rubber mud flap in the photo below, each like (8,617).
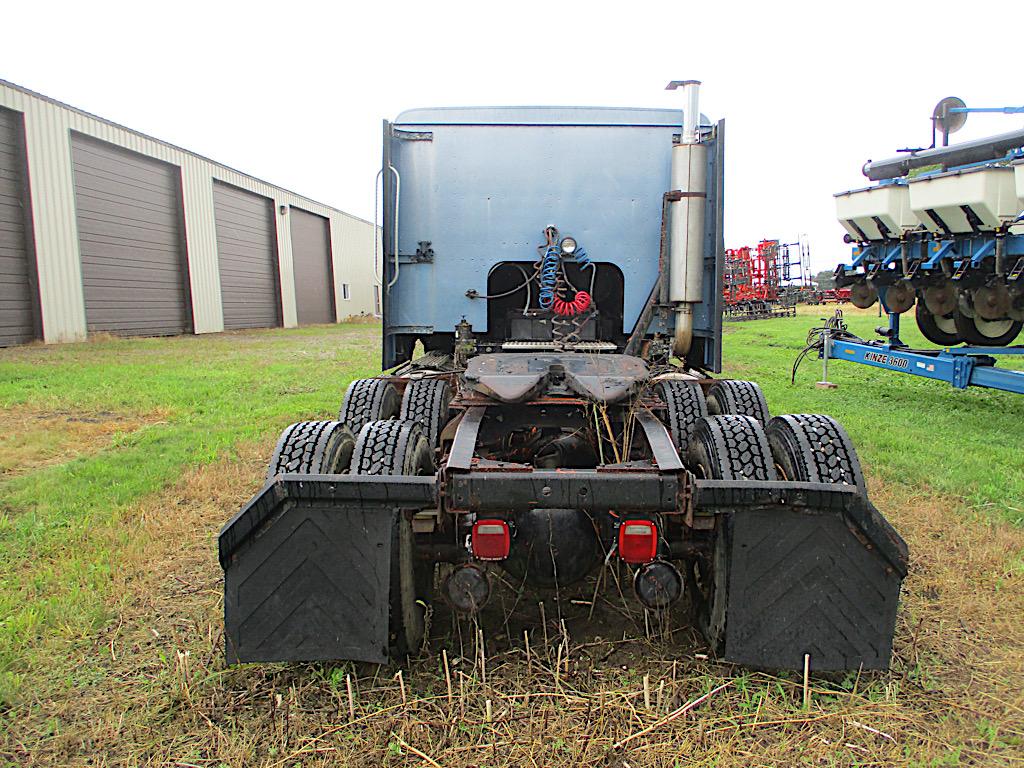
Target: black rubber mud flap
(307,568)
(819,574)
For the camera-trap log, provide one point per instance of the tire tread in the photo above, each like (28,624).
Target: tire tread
(306,447)
(818,449)
(732,447)
(686,406)
(739,398)
(426,401)
(367,400)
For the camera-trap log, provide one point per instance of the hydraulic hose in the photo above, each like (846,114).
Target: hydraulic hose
(835,328)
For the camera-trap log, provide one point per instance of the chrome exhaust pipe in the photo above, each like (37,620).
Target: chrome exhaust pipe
(686,223)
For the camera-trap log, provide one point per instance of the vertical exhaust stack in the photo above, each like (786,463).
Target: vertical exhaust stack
(686,219)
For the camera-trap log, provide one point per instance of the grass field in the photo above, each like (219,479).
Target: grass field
(120,459)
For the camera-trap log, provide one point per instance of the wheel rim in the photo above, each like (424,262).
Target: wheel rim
(963,304)
(340,454)
(992,329)
(946,324)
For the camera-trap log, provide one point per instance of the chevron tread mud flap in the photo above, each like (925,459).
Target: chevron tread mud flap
(818,572)
(307,567)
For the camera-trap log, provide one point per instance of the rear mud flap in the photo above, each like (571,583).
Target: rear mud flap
(307,568)
(815,573)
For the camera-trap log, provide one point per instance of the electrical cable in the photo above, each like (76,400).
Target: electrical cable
(527,279)
(526,306)
(835,328)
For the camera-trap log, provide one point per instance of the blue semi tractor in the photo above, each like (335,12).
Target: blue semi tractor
(551,283)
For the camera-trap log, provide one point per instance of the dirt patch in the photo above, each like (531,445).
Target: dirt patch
(151,688)
(31,438)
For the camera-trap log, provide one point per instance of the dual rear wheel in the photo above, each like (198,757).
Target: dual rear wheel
(424,401)
(399,447)
(379,433)
(376,432)
(727,435)
(686,404)
(805,448)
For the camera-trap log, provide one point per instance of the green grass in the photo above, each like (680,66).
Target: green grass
(217,392)
(907,429)
(200,400)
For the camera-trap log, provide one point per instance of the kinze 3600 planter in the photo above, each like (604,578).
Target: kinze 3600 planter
(554,262)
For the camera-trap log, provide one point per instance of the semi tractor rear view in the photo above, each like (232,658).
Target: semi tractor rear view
(551,283)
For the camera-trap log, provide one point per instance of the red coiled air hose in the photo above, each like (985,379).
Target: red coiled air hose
(574,307)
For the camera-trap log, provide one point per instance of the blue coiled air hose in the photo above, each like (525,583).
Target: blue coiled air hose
(549,276)
(582,258)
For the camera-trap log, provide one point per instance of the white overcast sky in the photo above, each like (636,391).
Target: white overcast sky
(294,92)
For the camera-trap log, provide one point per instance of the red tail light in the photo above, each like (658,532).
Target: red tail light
(638,541)
(491,540)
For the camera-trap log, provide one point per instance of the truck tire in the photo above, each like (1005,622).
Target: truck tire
(814,448)
(730,447)
(312,448)
(739,398)
(986,333)
(399,448)
(426,401)
(368,400)
(710,589)
(686,406)
(929,325)
(723,448)
(392,447)
(407,622)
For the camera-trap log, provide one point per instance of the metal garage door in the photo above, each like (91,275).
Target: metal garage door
(247,254)
(314,280)
(131,238)
(18,322)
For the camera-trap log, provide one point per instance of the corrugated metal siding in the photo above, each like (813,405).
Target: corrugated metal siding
(351,243)
(131,241)
(47,132)
(17,284)
(247,253)
(311,256)
(285,263)
(48,145)
(201,240)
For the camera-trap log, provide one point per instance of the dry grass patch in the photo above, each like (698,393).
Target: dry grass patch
(151,688)
(31,438)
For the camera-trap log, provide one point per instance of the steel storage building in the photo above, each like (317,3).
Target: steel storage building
(104,229)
